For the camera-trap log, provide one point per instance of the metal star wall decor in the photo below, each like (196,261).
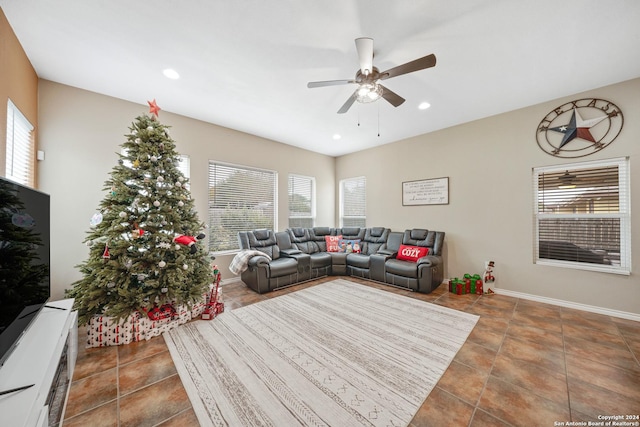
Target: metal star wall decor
(579,128)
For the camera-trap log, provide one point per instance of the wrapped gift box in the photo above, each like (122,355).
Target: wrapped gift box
(103,331)
(469,284)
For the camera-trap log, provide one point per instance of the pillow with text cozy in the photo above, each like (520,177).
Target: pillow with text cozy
(333,243)
(411,253)
(349,246)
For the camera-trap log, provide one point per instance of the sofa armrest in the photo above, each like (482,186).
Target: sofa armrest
(429,261)
(290,252)
(258,261)
(387,253)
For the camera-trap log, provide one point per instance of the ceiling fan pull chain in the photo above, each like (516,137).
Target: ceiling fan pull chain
(378,120)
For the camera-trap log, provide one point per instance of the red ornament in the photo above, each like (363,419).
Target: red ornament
(106,255)
(153,107)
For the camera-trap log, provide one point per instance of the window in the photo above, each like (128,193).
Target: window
(301,201)
(184,165)
(353,201)
(20,147)
(582,216)
(240,199)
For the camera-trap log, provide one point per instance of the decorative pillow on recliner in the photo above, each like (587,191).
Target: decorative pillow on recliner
(349,246)
(333,243)
(411,253)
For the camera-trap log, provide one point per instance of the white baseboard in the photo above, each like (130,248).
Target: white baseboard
(569,304)
(230,280)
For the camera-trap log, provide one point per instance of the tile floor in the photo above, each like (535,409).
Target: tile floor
(525,364)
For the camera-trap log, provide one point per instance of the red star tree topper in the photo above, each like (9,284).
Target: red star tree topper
(153,107)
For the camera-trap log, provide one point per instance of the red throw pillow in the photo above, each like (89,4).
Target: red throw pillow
(333,243)
(411,253)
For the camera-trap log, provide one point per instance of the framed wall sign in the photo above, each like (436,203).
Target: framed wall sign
(426,192)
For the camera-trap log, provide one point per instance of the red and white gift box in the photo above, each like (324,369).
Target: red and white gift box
(103,331)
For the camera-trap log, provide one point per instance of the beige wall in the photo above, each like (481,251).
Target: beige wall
(489,164)
(82,131)
(18,82)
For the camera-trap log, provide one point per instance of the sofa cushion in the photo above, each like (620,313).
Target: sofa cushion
(283,267)
(351,232)
(358,260)
(411,253)
(375,239)
(298,234)
(401,268)
(333,243)
(320,259)
(264,241)
(349,246)
(307,247)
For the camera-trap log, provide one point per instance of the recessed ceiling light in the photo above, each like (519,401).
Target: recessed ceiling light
(337,136)
(171,74)
(424,105)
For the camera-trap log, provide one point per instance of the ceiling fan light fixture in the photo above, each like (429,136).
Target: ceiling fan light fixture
(567,181)
(369,92)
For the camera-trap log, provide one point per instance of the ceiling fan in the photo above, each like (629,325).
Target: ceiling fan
(368,77)
(567,180)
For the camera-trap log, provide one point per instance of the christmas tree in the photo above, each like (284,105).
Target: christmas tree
(144,240)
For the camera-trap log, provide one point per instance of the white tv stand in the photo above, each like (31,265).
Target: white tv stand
(45,357)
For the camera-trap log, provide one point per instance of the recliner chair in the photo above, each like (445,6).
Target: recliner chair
(264,275)
(374,240)
(339,259)
(311,241)
(424,275)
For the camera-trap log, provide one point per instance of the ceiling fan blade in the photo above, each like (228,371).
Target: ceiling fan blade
(345,107)
(364,46)
(392,97)
(329,83)
(416,65)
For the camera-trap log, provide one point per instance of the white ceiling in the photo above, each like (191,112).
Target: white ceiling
(244,64)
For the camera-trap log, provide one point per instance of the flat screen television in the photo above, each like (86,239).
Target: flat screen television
(24,260)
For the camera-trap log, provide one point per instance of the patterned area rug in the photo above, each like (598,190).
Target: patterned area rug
(336,354)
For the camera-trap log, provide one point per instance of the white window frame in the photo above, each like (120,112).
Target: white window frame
(354,220)
(184,165)
(296,184)
(20,147)
(218,171)
(623,215)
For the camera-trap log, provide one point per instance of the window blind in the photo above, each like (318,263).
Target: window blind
(240,199)
(20,147)
(582,215)
(184,165)
(301,201)
(353,202)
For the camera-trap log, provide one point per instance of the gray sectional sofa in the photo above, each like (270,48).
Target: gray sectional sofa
(284,258)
